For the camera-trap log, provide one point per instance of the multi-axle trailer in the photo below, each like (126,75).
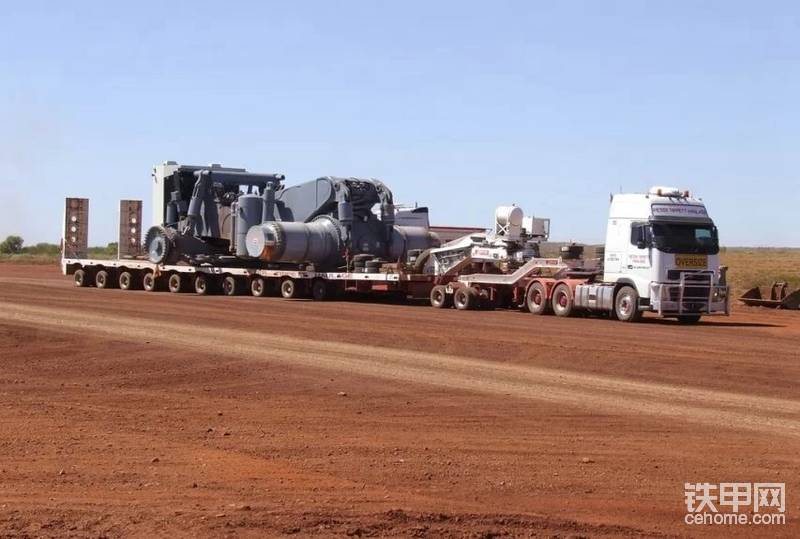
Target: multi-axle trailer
(227,231)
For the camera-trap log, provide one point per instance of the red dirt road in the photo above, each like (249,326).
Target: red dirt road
(135,414)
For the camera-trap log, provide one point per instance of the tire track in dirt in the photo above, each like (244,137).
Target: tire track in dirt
(602,394)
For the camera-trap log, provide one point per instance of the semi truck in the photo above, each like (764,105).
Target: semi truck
(225,230)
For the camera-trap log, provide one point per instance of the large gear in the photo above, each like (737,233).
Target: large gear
(159,244)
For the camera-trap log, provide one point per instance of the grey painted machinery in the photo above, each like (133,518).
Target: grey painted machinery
(218,215)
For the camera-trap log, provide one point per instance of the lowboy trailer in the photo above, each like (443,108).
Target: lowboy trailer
(223,230)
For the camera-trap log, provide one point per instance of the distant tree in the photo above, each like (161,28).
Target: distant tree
(11,245)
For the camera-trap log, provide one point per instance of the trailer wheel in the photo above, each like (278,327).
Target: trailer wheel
(176,283)
(126,280)
(102,279)
(149,282)
(81,278)
(689,319)
(536,299)
(319,290)
(231,286)
(258,287)
(439,297)
(562,300)
(289,288)
(203,284)
(465,298)
(626,305)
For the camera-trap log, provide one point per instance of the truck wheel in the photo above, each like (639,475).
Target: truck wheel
(102,279)
(258,287)
(149,282)
(536,299)
(289,289)
(81,278)
(231,286)
(203,284)
(126,281)
(689,319)
(563,301)
(439,297)
(175,283)
(319,290)
(626,305)
(465,298)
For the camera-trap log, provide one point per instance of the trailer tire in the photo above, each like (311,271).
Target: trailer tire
(258,287)
(126,280)
(563,301)
(689,319)
(289,288)
(81,278)
(204,284)
(176,283)
(626,305)
(465,298)
(103,279)
(439,297)
(150,282)
(536,299)
(319,290)
(231,286)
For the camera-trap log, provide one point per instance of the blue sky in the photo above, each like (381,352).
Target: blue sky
(461,106)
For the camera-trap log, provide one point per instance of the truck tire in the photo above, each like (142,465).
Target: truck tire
(258,287)
(176,283)
(536,299)
(465,298)
(563,301)
(626,305)
(150,283)
(319,290)
(289,289)
(103,279)
(81,278)
(231,286)
(203,284)
(689,319)
(126,280)
(439,297)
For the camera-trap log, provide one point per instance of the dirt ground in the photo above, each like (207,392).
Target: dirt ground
(136,414)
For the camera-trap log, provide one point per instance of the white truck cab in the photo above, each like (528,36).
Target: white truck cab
(664,247)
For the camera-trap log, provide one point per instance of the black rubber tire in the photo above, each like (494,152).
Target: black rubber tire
(465,298)
(232,286)
(439,297)
(626,305)
(689,319)
(319,290)
(289,289)
(204,284)
(150,283)
(81,278)
(536,299)
(176,283)
(127,280)
(258,287)
(562,300)
(103,279)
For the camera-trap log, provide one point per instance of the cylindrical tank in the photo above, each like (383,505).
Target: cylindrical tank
(316,242)
(248,214)
(509,216)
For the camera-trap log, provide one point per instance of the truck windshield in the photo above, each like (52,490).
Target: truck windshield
(686,238)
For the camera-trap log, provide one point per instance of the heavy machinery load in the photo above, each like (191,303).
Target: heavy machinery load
(779,297)
(220,215)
